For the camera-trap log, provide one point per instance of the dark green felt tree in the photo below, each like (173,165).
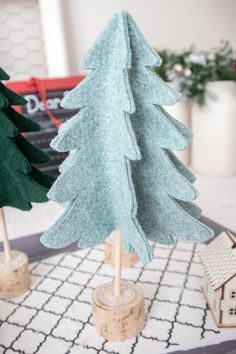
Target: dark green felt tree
(20,182)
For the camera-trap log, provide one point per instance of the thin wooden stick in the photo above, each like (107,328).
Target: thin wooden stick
(117,263)
(3,234)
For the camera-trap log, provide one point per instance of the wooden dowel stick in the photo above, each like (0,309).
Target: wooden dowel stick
(117,263)
(3,234)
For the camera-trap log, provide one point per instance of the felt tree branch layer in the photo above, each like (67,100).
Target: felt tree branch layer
(120,173)
(20,182)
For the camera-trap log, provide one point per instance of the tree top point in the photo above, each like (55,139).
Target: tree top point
(123,13)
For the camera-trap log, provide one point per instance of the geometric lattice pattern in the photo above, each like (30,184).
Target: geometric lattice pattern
(54,316)
(219,260)
(22,52)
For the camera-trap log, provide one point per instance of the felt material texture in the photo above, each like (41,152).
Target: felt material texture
(121,173)
(4,75)
(20,182)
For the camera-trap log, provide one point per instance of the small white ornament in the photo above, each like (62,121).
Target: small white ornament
(178,67)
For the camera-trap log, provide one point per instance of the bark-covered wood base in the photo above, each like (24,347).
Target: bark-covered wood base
(128,260)
(14,275)
(118,319)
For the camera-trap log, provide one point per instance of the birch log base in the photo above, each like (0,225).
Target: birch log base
(14,275)
(118,318)
(128,260)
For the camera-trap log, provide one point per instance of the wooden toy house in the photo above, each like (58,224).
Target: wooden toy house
(219,287)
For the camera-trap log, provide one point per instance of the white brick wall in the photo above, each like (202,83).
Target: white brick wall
(22,52)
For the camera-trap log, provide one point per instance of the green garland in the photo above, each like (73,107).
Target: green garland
(190,71)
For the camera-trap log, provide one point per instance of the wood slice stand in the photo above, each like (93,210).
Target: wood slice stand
(14,275)
(128,260)
(118,319)
(118,308)
(14,270)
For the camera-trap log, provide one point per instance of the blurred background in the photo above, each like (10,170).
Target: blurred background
(34,32)
(30,29)
(196,40)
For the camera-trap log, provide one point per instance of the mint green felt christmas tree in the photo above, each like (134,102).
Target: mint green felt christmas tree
(121,173)
(162,183)
(20,182)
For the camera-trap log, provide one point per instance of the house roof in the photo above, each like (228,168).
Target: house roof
(219,259)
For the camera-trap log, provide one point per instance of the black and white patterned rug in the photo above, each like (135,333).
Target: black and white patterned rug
(54,316)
